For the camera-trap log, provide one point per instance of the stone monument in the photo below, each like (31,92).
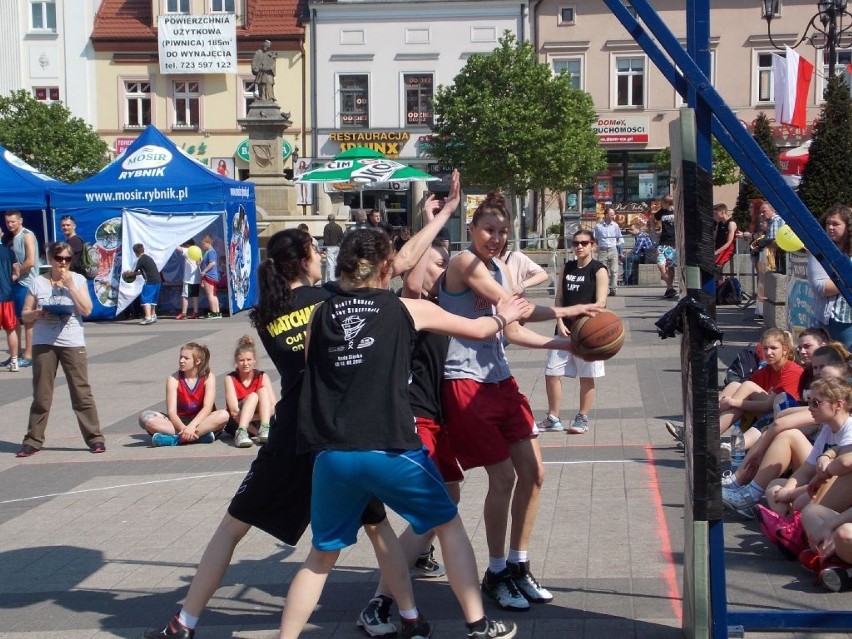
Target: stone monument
(265,123)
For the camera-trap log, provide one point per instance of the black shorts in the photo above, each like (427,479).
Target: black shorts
(275,496)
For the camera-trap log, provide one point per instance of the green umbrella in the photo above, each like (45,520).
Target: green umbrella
(362,166)
(360,153)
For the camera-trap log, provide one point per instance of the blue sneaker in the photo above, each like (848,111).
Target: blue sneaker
(5,362)
(24,362)
(162,439)
(550,424)
(209,438)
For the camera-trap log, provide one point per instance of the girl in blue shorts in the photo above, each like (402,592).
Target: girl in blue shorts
(364,436)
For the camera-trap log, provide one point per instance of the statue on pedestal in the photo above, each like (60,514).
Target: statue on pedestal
(263,68)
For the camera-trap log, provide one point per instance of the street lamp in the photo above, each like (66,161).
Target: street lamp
(825,29)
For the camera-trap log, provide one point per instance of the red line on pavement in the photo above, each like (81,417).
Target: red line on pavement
(670,573)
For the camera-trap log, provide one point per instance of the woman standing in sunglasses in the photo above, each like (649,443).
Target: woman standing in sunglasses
(584,281)
(57,302)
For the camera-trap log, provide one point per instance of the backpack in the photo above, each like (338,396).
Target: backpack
(744,365)
(729,292)
(90,261)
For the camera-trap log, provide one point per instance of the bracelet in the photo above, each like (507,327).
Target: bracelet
(501,322)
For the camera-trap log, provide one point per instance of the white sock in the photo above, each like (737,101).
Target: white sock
(409,615)
(188,620)
(496,564)
(517,556)
(756,490)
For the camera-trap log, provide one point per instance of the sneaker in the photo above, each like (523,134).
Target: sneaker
(675,431)
(494,630)
(207,438)
(502,589)
(6,361)
(174,630)
(579,426)
(263,434)
(375,618)
(551,424)
(417,629)
(214,316)
(741,500)
(670,294)
(729,480)
(162,439)
(427,567)
(26,451)
(192,316)
(25,362)
(146,321)
(810,560)
(154,318)
(242,439)
(769,522)
(180,316)
(13,366)
(97,448)
(527,584)
(836,577)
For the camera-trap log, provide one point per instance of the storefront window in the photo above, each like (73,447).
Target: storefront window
(631,177)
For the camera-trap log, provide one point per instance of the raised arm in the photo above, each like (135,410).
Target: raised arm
(431,317)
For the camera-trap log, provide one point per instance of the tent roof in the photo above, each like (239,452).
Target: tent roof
(153,173)
(21,185)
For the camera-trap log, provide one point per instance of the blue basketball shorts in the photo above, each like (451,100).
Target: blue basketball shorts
(150,294)
(408,482)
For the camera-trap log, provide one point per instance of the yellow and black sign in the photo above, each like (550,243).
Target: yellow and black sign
(389,143)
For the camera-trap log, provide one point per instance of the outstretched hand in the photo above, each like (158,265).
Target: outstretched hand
(513,308)
(582,310)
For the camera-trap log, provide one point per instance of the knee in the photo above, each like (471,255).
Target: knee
(843,536)
(145,417)
(501,481)
(531,475)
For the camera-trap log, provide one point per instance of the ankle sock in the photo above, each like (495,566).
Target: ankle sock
(187,620)
(756,490)
(478,626)
(516,556)
(409,615)
(496,564)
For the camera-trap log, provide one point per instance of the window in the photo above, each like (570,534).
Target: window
(248,94)
(187,96)
(418,98)
(630,82)
(842,59)
(354,101)
(573,67)
(46,94)
(177,6)
(43,14)
(138,97)
(223,6)
(765,79)
(567,15)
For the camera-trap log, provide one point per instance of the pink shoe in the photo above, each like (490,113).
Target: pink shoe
(769,522)
(791,536)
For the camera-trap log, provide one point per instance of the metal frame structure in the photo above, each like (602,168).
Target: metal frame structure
(688,71)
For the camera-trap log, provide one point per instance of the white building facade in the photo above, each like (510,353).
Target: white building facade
(46,50)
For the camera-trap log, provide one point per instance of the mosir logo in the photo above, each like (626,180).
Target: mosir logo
(149,161)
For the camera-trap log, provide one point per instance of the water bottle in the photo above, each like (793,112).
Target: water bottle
(738,450)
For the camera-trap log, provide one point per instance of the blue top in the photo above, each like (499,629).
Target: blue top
(210,257)
(7,259)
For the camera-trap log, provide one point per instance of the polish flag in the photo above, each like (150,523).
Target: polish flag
(792,77)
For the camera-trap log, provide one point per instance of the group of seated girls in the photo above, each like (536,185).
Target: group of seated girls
(801,461)
(191,416)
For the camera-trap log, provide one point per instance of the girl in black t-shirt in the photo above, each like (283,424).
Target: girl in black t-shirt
(364,435)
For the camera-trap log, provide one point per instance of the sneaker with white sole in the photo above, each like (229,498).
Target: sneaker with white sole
(579,426)
(415,628)
(495,630)
(742,500)
(528,584)
(729,480)
(551,424)
(675,431)
(427,567)
(242,439)
(501,588)
(164,439)
(375,618)
(263,434)
(13,366)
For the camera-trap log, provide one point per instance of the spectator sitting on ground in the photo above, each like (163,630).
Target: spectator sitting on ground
(191,416)
(249,397)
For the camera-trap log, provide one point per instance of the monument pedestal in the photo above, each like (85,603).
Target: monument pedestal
(275,196)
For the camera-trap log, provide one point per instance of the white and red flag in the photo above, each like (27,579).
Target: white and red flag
(792,78)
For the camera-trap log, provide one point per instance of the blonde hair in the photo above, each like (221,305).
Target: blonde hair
(834,389)
(201,355)
(245,344)
(785,338)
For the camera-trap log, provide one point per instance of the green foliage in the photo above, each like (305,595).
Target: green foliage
(554,229)
(49,138)
(748,191)
(825,180)
(508,123)
(725,170)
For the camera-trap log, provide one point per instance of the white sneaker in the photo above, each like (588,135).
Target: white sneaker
(13,366)
(579,426)
(729,480)
(242,439)
(263,434)
(502,589)
(550,424)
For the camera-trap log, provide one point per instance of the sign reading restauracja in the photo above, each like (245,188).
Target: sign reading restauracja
(197,44)
(622,129)
(389,143)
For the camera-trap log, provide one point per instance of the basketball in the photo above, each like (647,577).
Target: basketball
(129,277)
(194,253)
(598,338)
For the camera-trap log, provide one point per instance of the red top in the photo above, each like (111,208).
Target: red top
(242,390)
(785,380)
(189,400)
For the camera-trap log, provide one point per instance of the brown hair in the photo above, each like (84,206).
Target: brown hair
(493,204)
(201,354)
(361,255)
(784,337)
(245,345)
(845,214)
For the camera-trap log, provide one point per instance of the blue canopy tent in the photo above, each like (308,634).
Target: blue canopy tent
(156,195)
(25,188)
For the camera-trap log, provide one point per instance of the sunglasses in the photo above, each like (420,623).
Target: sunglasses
(63,258)
(816,403)
(583,243)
